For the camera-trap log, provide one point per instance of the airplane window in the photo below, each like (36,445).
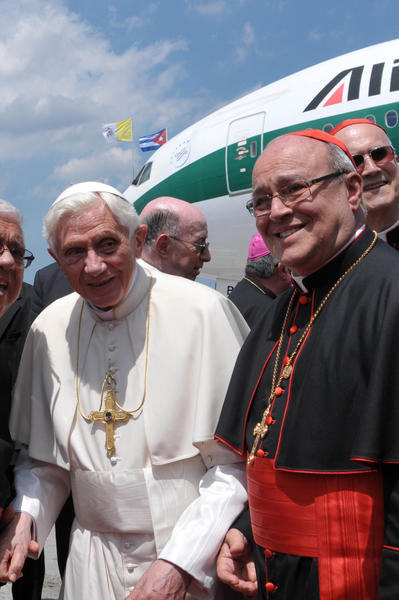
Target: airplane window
(143,174)
(371,118)
(253,150)
(327,127)
(391,118)
(146,173)
(137,178)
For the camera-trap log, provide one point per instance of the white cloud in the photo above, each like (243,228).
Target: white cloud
(315,35)
(131,22)
(207,9)
(60,80)
(113,160)
(246,42)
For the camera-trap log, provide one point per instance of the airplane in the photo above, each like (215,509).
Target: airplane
(210,162)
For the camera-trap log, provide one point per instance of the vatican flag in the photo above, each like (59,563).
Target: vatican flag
(118,132)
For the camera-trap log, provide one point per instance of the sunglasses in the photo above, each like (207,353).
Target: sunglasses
(379,155)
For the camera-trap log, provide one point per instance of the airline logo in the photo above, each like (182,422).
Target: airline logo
(345,85)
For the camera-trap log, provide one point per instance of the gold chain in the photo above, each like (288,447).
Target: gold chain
(261,428)
(107,375)
(254,284)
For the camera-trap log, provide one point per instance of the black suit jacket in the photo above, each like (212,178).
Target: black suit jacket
(50,284)
(14,325)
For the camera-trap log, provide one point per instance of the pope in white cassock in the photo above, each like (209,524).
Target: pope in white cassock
(118,394)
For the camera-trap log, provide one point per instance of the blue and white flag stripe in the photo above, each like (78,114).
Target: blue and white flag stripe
(153,141)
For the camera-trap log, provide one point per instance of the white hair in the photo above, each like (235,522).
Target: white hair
(121,209)
(6,208)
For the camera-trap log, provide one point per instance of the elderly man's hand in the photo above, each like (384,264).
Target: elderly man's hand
(162,581)
(235,565)
(15,543)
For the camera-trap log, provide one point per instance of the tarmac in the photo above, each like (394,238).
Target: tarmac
(52,581)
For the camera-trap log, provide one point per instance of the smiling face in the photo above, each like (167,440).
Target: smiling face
(305,236)
(96,255)
(11,275)
(380,182)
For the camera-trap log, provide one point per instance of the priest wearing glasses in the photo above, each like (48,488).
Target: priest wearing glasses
(112,404)
(313,400)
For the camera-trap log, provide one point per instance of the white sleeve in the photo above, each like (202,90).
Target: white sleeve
(199,532)
(41,491)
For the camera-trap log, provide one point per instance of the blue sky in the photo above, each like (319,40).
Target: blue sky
(68,66)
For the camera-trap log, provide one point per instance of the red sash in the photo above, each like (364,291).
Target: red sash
(337,518)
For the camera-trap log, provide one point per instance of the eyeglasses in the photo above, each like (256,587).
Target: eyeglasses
(289,195)
(379,156)
(23,258)
(200,247)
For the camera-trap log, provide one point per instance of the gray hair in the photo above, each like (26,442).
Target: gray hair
(122,210)
(6,208)
(339,160)
(262,267)
(161,221)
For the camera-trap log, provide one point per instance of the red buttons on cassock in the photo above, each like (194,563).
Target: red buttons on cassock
(304,299)
(269,420)
(279,390)
(293,329)
(269,553)
(270,587)
(286,360)
(261,453)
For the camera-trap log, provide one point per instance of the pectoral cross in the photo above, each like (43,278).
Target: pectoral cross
(260,430)
(111,415)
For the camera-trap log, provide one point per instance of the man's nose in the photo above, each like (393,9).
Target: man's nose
(6,259)
(206,255)
(369,166)
(94,264)
(278,209)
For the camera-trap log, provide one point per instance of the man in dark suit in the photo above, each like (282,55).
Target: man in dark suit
(14,325)
(49,285)
(265,278)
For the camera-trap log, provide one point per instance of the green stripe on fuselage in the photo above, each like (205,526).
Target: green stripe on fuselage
(206,177)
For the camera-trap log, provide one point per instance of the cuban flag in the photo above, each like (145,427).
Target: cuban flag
(153,141)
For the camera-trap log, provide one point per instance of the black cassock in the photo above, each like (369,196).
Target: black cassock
(339,410)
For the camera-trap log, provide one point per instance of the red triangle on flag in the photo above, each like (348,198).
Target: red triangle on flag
(160,138)
(336,97)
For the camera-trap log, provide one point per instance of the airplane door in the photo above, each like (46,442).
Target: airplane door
(244,145)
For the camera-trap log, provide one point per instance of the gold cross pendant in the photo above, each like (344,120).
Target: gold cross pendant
(111,415)
(260,430)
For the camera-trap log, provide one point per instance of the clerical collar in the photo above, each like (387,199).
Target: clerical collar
(383,234)
(108,314)
(299,280)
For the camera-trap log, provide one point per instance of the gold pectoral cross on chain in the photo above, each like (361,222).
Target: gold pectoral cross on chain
(260,431)
(112,414)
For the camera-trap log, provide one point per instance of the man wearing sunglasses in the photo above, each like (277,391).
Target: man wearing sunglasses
(176,237)
(377,163)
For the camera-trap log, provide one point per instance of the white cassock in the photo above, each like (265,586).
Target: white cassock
(169,490)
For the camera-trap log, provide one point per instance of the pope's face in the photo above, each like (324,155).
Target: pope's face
(380,180)
(306,235)
(96,255)
(11,275)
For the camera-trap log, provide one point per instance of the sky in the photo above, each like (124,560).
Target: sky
(69,66)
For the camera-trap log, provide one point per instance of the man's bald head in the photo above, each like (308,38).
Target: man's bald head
(176,236)
(378,166)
